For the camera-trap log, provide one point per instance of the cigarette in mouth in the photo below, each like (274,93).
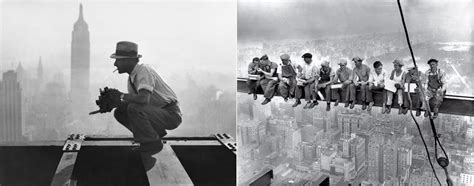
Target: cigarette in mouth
(114,70)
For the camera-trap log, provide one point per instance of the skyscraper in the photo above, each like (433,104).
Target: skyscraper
(10,108)
(80,66)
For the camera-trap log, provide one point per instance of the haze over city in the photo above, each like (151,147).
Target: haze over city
(194,52)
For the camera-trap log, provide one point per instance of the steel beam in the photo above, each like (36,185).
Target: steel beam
(452,104)
(164,168)
(63,174)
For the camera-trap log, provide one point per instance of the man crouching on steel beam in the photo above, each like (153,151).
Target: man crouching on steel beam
(150,107)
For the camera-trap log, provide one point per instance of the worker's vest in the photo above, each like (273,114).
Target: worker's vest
(434,81)
(325,76)
(288,71)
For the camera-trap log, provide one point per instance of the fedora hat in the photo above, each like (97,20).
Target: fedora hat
(126,49)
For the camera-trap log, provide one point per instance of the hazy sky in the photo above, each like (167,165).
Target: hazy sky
(174,36)
(303,19)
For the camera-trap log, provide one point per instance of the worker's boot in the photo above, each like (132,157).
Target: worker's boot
(418,112)
(389,108)
(435,112)
(297,102)
(266,101)
(313,104)
(150,147)
(369,108)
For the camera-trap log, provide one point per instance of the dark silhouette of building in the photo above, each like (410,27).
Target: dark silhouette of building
(80,66)
(10,107)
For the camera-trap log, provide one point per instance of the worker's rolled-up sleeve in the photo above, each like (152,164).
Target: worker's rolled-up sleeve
(145,81)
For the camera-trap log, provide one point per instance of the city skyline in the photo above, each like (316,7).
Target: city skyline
(162,45)
(349,146)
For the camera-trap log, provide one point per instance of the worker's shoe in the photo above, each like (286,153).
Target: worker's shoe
(297,102)
(405,110)
(266,101)
(285,99)
(336,103)
(369,108)
(313,104)
(418,112)
(352,105)
(364,106)
(400,110)
(328,106)
(347,104)
(254,96)
(150,147)
(435,112)
(427,114)
(307,105)
(389,108)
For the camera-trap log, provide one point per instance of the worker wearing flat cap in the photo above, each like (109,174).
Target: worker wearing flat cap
(323,84)
(361,81)
(435,86)
(253,83)
(150,107)
(269,79)
(346,93)
(398,76)
(412,75)
(309,73)
(287,72)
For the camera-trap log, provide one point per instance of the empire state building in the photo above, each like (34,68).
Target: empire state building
(80,66)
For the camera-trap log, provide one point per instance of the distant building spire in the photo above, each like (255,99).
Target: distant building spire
(81,16)
(80,23)
(19,67)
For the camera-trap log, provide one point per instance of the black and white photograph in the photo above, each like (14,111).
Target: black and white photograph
(102,92)
(346,92)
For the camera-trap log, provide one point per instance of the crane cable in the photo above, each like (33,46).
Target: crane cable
(442,161)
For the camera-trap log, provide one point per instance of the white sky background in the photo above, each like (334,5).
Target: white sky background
(176,37)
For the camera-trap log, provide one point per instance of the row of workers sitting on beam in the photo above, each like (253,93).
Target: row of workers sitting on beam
(291,80)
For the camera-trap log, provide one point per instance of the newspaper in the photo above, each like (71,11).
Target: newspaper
(412,87)
(390,85)
(254,77)
(336,86)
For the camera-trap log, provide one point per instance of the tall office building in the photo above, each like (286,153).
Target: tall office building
(10,108)
(80,67)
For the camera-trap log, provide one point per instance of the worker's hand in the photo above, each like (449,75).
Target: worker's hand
(398,86)
(109,99)
(113,95)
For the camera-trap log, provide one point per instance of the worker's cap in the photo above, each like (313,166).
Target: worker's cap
(398,62)
(264,57)
(307,55)
(342,62)
(256,59)
(284,56)
(325,64)
(432,60)
(355,59)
